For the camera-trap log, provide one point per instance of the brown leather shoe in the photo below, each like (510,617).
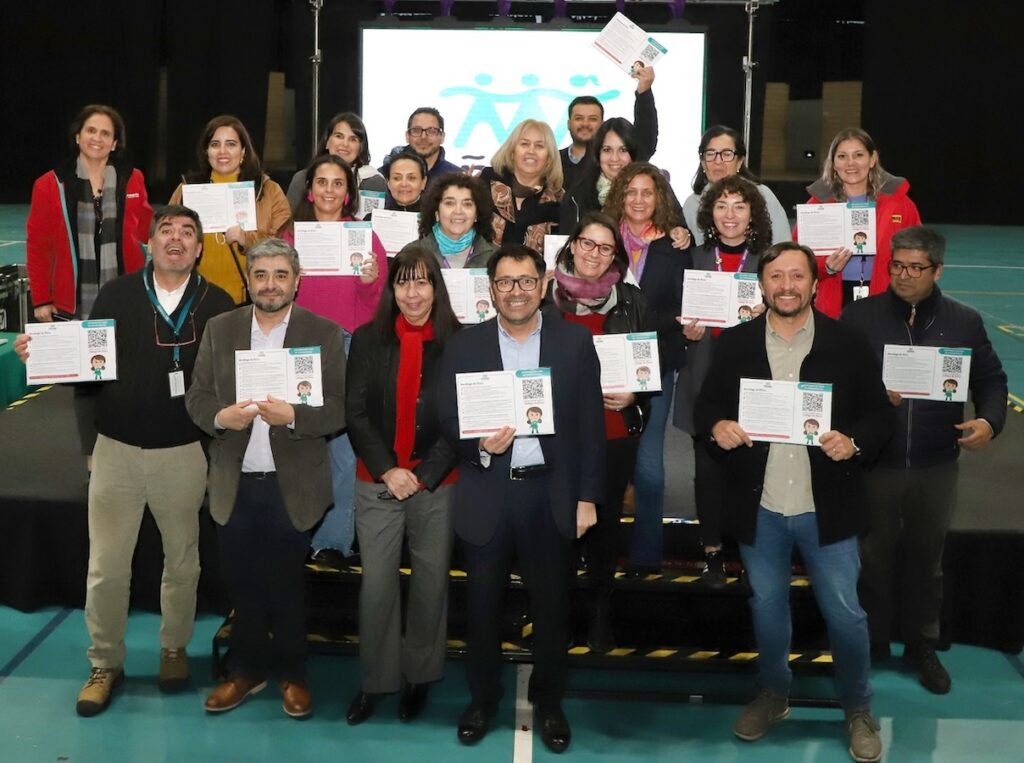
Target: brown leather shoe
(297,701)
(232,693)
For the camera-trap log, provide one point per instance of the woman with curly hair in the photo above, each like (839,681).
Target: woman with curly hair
(640,200)
(456,222)
(737,227)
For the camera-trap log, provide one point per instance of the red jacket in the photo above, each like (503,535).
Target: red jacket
(51,244)
(893,211)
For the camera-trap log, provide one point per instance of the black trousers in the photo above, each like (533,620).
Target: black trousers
(262,559)
(601,542)
(708,477)
(527,533)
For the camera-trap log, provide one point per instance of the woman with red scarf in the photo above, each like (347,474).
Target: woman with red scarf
(404,484)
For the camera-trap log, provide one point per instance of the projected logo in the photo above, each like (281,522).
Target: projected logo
(496,112)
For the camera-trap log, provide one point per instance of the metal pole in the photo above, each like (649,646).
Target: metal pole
(316,59)
(748,71)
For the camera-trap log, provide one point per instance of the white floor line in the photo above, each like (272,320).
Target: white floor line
(522,751)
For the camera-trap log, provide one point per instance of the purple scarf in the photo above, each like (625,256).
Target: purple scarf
(571,290)
(635,243)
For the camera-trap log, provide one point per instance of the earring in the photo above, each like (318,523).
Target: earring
(309,197)
(345,201)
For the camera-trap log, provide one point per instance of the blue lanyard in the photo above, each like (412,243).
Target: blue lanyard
(183,311)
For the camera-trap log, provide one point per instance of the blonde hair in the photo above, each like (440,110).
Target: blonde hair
(503,160)
(876,175)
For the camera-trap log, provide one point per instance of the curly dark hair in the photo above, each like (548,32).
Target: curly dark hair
(665,218)
(481,198)
(759,234)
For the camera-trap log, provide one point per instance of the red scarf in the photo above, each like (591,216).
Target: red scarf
(407,387)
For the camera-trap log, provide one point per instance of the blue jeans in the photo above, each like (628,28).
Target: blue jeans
(646,545)
(833,570)
(339,524)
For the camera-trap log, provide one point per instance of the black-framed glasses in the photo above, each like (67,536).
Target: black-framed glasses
(433,132)
(588,245)
(526,283)
(726,154)
(181,342)
(914,270)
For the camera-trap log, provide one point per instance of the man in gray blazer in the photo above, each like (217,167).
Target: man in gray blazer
(269,480)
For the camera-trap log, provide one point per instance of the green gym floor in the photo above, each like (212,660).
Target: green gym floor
(619,716)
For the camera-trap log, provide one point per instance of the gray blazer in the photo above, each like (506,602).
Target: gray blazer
(698,354)
(300,454)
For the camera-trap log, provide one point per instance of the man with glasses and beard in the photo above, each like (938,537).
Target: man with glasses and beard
(524,498)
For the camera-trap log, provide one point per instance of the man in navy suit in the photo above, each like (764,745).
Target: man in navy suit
(524,498)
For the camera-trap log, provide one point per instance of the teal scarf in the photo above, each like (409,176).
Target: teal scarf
(450,246)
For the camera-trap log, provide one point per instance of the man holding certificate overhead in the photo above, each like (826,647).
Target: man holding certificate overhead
(781,493)
(929,346)
(522,497)
(270,479)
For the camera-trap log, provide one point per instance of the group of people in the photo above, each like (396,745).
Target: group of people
(381,460)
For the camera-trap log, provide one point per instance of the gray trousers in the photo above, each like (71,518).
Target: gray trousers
(901,555)
(386,656)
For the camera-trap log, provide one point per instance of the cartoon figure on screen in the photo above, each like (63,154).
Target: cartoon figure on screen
(534,418)
(949,389)
(745,313)
(356,260)
(811,430)
(643,376)
(482,308)
(305,389)
(99,365)
(860,239)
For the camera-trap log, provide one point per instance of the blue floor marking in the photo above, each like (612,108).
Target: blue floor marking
(33,644)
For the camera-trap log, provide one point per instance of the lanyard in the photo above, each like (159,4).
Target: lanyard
(718,260)
(183,311)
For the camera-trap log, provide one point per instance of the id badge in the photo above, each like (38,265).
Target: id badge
(859,292)
(176,379)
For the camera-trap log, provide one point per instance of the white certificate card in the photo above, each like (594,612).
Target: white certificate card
(629,362)
(794,413)
(368,202)
(490,400)
(827,227)
(469,293)
(319,248)
(553,244)
(356,247)
(71,351)
(291,374)
(719,299)
(628,46)
(222,205)
(927,373)
(395,228)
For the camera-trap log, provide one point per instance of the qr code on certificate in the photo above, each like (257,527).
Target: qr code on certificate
(357,239)
(533,390)
(860,218)
(746,292)
(304,365)
(952,365)
(96,340)
(813,402)
(649,53)
(641,352)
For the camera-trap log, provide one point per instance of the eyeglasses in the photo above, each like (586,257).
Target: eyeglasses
(526,283)
(433,132)
(157,322)
(588,245)
(726,155)
(913,270)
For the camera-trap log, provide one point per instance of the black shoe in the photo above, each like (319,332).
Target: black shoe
(641,570)
(412,701)
(713,574)
(600,638)
(361,708)
(880,650)
(475,722)
(920,657)
(553,726)
(329,557)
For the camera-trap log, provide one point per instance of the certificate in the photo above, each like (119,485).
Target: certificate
(490,400)
(222,205)
(629,362)
(291,374)
(628,46)
(319,248)
(469,293)
(927,373)
(369,201)
(356,247)
(793,413)
(719,299)
(71,351)
(827,227)
(552,246)
(395,228)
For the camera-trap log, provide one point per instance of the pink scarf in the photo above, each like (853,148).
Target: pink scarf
(635,243)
